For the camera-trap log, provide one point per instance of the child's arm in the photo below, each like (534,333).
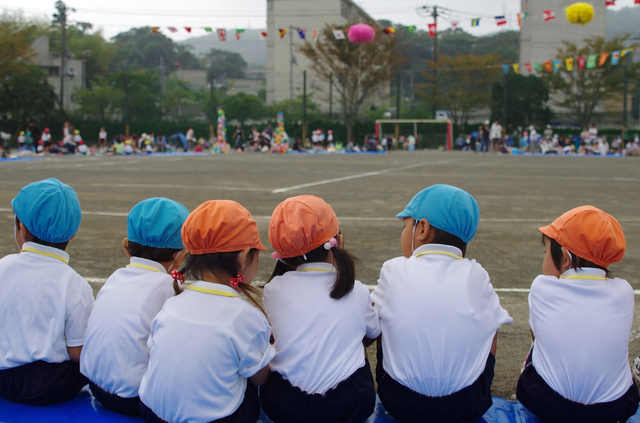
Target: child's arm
(74,353)
(494,344)
(260,377)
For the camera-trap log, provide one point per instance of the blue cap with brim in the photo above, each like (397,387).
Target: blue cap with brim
(157,222)
(49,209)
(447,208)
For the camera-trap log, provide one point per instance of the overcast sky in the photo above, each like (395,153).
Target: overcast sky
(115,16)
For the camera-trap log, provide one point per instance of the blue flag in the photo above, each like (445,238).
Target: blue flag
(505,68)
(302,33)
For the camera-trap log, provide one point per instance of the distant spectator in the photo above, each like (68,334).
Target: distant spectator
(495,134)
(191,139)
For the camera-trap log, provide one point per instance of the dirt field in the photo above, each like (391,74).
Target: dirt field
(516,195)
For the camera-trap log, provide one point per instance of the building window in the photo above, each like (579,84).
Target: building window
(51,70)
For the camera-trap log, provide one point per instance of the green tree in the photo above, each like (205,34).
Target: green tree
(180,101)
(360,69)
(292,109)
(581,91)
(99,101)
(25,96)
(16,36)
(243,106)
(140,97)
(225,63)
(527,101)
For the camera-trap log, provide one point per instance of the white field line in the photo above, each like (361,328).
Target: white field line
(164,186)
(359,175)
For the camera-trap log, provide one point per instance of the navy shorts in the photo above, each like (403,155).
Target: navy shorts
(405,405)
(352,400)
(130,406)
(551,407)
(42,383)
(248,412)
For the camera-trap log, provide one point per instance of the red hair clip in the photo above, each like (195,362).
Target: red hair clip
(177,276)
(234,282)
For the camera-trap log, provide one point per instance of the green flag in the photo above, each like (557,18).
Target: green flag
(591,62)
(538,69)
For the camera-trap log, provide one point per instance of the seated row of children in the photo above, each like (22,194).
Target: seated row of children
(168,351)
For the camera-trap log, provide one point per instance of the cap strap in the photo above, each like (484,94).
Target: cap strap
(42,253)
(591,278)
(442,253)
(211,291)
(141,266)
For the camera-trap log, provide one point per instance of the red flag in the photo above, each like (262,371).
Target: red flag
(172,29)
(188,28)
(528,65)
(154,29)
(432,29)
(581,62)
(550,14)
(548,66)
(263,35)
(222,34)
(610,3)
(454,24)
(637,2)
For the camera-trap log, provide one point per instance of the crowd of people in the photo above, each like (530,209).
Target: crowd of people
(154,346)
(588,142)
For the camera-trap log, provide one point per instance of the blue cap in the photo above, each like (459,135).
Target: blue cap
(447,208)
(157,222)
(49,209)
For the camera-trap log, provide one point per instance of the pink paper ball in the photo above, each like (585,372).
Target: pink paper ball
(361,34)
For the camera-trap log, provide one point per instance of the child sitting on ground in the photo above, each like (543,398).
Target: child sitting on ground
(319,314)
(209,346)
(44,304)
(580,319)
(439,315)
(115,354)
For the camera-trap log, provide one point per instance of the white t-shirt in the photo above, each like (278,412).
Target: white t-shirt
(439,314)
(102,135)
(318,340)
(204,346)
(45,137)
(495,131)
(115,354)
(581,323)
(44,306)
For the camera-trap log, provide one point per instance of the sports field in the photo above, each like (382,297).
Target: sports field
(516,194)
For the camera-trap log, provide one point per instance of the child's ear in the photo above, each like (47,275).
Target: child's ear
(243,259)
(125,247)
(340,240)
(423,233)
(566,260)
(178,258)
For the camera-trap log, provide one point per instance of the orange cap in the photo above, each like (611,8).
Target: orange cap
(301,224)
(590,233)
(220,226)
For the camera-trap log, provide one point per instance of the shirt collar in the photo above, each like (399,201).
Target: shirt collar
(320,267)
(43,250)
(446,250)
(144,264)
(584,272)
(215,287)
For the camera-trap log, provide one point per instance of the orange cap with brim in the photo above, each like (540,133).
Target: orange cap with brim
(301,224)
(590,233)
(220,226)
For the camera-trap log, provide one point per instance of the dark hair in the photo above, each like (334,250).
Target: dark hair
(59,245)
(160,255)
(576,262)
(444,237)
(224,266)
(343,261)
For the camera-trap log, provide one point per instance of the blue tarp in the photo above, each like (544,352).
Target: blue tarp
(179,136)
(84,408)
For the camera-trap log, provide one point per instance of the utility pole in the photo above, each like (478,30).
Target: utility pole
(291,62)
(61,20)
(397,107)
(504,106)
(162,84)
(331,96)
(435,60)
(211,104)
(624,112)
(304,105)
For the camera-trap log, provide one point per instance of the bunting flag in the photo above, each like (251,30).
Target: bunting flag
(411,29)
(615,58)
(591,62)
(556,65)
(505,68)
(455,24)
(154,29)
(636,2)
(316,35)
(432,29)
(302,33)
(239,33)
(519,19)
(528,66)
(581,62)
(389,30)
(263,35)
(172,29)
(516,68)
(188,29)
(610,3)
(282,32)
(537,66)
(569,64)
(501,20)
(339,34)
(547,65)
(475,22)
(548,15)
(625,52)
(208,29)
(222,34)
(603,59)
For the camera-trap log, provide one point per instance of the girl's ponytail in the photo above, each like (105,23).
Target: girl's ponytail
(345,264)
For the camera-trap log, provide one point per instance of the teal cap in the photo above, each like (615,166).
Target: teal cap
(49,209)
(157,222)
(447,208)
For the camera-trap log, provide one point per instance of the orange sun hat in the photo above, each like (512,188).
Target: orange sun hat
(590,233)
(302,224)
(220,226)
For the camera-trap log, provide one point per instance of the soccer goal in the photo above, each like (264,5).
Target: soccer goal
(433,132)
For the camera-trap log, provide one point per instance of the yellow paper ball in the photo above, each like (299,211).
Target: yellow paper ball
(580,13)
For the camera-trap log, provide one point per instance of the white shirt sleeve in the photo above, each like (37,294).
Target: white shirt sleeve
(482,294)
(372,320)
(76,319)
(258,355)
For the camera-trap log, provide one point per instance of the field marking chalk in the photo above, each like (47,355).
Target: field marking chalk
(358,175)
